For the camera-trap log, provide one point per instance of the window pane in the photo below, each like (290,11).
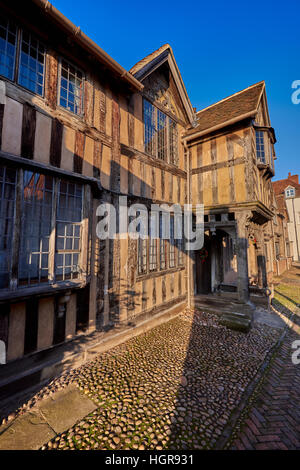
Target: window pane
(69,217)
(142,256)
(7,204)
(260,147)
(161,135)
(71,88)
(32,64)
(36,228)
(152,244)
(8,39)
(162,245)
(173,142)
(172,244)
(149,128)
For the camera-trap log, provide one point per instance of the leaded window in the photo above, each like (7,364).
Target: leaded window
(152,244)
(40,228)
(36,228)
(160,133)
(32,63)
(7,207)
(29,70)
(172,244)
(260,146)
(173,136)
(8,47)
(150,128)
(71,88)
(142,255)
(162,245)
(68,224)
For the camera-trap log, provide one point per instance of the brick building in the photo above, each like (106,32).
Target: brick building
(287,193)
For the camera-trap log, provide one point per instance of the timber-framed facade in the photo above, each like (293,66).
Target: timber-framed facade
(78,130)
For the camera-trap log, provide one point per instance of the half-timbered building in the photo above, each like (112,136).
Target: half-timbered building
(76,131)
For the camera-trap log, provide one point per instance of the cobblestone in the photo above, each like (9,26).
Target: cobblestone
(171,388)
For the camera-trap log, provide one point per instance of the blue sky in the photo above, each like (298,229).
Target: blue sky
(220,47)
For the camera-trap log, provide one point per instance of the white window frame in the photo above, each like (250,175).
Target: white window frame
(61,59)
(290,192)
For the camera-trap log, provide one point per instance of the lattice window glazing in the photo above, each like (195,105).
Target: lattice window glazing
(68,230)
(71,88)
(7,206)
(173,138)
(260,146)
(32,64)
(8,46)
(36,228)
(162,245)
(172,244)
(150,128)
(161,135)
(180,248)
(152,245)
(142,255)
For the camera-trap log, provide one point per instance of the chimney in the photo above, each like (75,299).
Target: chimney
(294,178)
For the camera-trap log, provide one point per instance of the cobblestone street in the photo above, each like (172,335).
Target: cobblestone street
(173,387)
(178,386)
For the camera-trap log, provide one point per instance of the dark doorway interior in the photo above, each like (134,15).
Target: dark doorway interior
(203,267)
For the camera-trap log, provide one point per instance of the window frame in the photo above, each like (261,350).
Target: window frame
(266,145)
(163,251)
(70,64)
(14,284)
(17,58)
(171,151)
(290,192)
(260,146)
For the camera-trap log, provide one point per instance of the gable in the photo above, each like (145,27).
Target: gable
(163,84)
(159,86)
(262,117)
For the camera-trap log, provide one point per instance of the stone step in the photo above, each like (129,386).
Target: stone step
(236,321)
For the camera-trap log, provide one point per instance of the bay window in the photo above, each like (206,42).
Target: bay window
(260,147)
(264,147)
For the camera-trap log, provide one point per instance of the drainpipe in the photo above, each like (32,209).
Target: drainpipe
(295,225)
(186,151)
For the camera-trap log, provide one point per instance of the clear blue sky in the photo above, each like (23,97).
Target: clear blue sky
(220,47)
